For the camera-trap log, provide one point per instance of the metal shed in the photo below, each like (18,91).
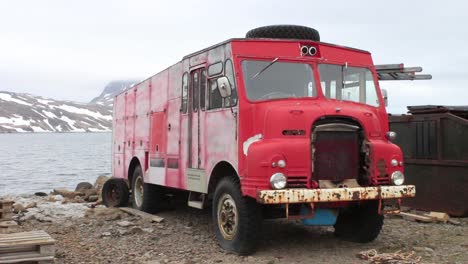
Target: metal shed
(434,140)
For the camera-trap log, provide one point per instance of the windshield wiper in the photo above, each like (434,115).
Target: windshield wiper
(264,69)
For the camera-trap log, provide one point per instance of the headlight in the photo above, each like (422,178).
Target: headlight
(278,181)
(391,135)
(398,178)
(394,162)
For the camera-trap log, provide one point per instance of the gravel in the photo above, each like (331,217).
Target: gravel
(104,235)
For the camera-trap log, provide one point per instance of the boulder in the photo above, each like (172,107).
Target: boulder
(31,205)
(100,182)
(83,186)
(78,199)
(42,194)
(66,193)
(92,198)
(18,208)
(89,192)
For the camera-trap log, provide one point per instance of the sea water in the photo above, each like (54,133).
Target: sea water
(40,162)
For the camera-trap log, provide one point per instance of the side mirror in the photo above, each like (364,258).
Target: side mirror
(385,96)
(224,86)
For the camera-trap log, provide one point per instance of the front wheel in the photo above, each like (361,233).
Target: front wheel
(145,197)
(236,219)
(361,223)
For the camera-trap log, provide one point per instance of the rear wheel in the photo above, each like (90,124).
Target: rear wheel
(361,223)
(236,219)
(115,193)
(145,197)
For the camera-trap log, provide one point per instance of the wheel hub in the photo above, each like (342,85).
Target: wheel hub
(227,216)
(138,191)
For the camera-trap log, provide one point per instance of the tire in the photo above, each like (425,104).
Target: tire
(145,197)
(115,193)
(359,223)
(236,219)
(284,32)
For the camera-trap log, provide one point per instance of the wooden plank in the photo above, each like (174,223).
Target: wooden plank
(439,217)
(25,242)
(150,217)
(8,223)
(8,239)
(26,234)
(416,217)
(23,257)
(25,238)
(18,249)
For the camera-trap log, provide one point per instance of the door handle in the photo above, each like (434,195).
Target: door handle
(169,127)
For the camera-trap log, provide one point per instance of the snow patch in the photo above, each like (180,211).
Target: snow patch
(44,101)
(82,111)
(49,114)
(7,97)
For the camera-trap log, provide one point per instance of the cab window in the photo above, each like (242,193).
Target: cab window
(229,73)
(183,107)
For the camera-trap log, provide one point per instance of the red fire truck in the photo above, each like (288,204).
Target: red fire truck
(274,125)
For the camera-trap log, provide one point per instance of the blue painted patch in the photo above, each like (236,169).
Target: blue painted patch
(323,217)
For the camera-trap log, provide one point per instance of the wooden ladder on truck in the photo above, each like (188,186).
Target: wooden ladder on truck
(398,72)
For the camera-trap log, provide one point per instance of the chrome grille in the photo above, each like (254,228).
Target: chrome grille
(297,182)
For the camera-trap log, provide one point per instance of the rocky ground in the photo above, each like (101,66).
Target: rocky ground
(102,235)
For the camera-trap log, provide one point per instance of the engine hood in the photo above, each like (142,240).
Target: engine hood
(285,119)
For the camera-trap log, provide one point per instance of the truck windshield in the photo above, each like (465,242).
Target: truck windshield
(266,80)
(348,83)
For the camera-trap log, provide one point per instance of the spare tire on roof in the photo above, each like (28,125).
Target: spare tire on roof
(284,32)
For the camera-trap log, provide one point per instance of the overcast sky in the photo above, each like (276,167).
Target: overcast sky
(72,49)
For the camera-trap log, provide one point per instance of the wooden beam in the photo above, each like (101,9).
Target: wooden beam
(147,216)
(416,217)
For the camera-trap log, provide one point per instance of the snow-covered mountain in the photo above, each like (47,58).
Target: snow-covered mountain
(29,113)
(106,98)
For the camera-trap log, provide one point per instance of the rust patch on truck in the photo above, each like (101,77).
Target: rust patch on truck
(356,195)
(335,194)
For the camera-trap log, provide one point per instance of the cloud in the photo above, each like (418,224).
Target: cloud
(71,49)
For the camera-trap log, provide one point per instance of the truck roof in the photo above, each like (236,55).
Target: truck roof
(272,40)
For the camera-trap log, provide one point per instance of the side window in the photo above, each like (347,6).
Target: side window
(202,89)
(183,107)
(215,69)
(195,90)
(216,101)
(229,72)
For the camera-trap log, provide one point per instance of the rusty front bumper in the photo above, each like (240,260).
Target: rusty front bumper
(288,196)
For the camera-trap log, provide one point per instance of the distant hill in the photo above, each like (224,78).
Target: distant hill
(29,113)
(106,98)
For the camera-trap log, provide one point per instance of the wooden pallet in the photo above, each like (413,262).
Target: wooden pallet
(34,246)
(6,212)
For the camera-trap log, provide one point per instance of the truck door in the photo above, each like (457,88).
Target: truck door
(196,151)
